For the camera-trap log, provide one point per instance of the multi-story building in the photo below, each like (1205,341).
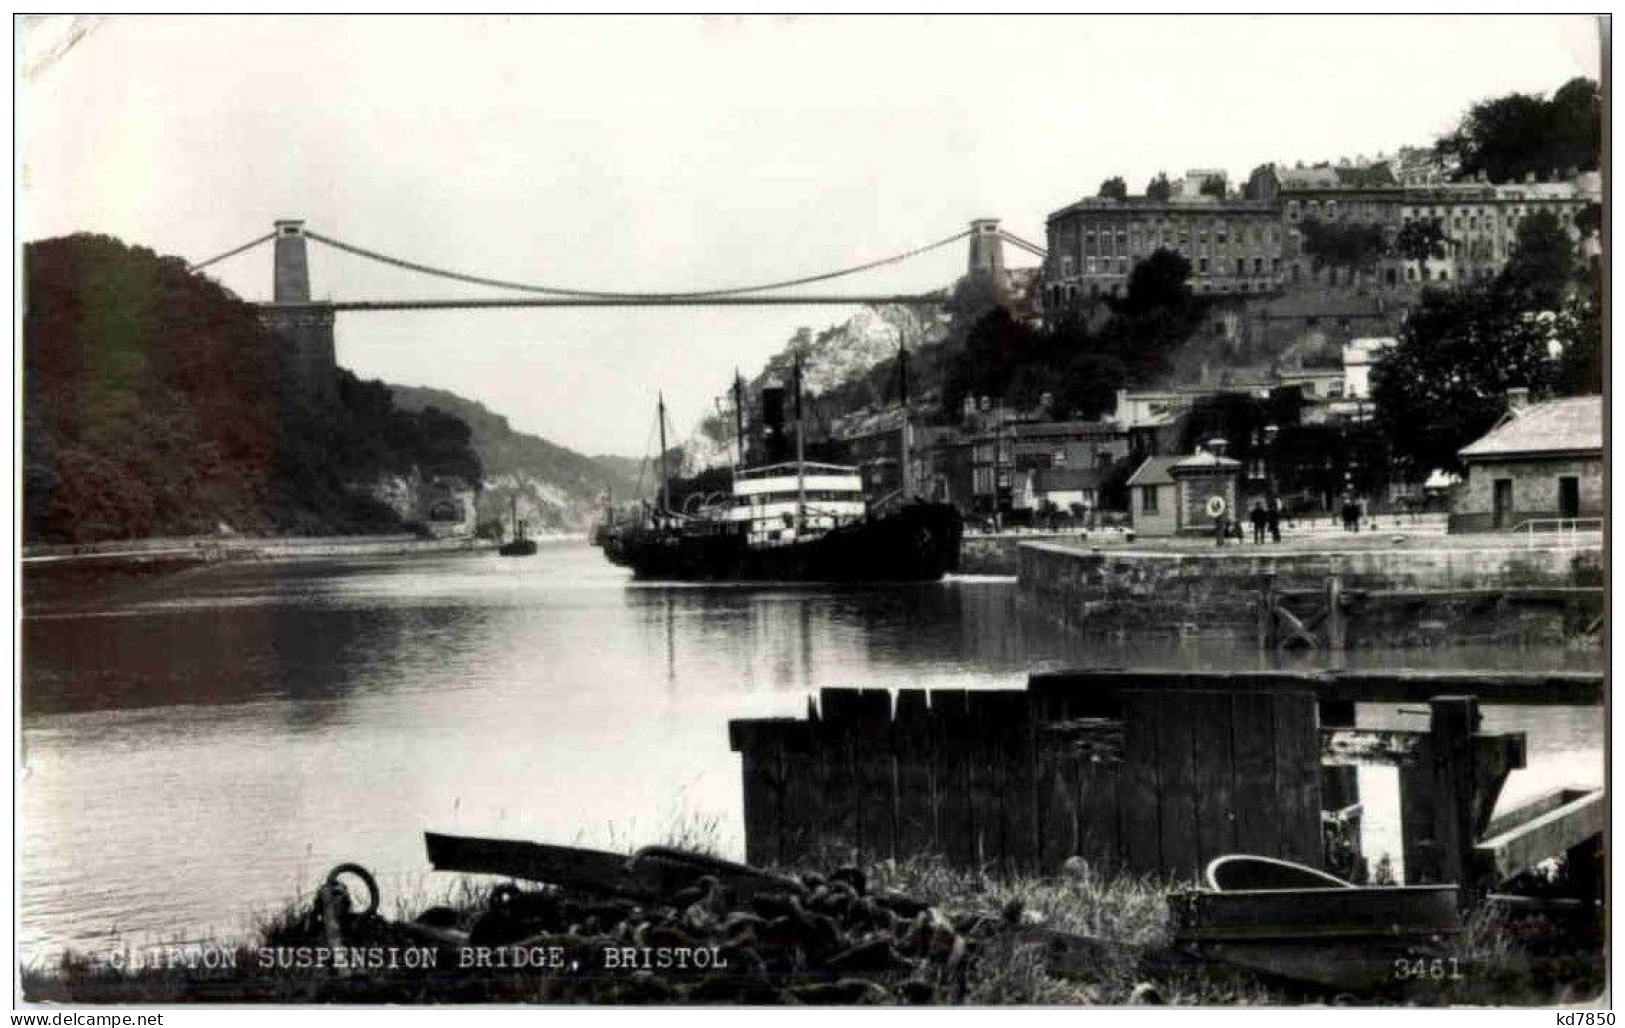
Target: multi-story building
(1016,465)
(1479,221)
(1234,246)
(1244,248)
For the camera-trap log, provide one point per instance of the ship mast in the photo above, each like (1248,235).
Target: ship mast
(801,459)
(739,417)
(902,376)
(665,493)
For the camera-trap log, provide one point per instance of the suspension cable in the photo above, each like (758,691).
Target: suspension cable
(592,294)
(1032,248)
(199,266)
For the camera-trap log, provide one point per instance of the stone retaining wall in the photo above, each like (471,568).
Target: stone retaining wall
(1493,593)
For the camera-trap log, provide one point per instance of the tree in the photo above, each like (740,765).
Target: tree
(1588,220)
(1511,136)
(152,407)
(995,347)
(1159,188)
(1162,280)
(1087,386)
(1114,188)
(1542,267)
(1080,366)
(1445,384)
(1262,183)
(1345,245)
(1421,241)
(1212,187)
(1577,333)
(1156,317)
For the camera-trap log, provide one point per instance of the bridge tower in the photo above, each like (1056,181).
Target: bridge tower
(306,365)
(986,249)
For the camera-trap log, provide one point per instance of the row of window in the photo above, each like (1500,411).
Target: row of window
(1134,243)
(1069,294)
(1460,217)
(763,499)
(1204,266)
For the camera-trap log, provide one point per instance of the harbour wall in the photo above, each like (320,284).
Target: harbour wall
(998,553)
(1403,596)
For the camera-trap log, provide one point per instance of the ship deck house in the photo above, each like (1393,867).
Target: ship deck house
(1541,460)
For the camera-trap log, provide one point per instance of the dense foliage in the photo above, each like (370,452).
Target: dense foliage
(1314,462)
(1343,244)
(1537,325)
(1114,188)
(151,409)
(1079,363)
(1511,136)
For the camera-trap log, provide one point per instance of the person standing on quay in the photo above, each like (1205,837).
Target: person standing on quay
(1259,519)
(1273,518)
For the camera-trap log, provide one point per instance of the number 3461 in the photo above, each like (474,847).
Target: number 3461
(1436,969)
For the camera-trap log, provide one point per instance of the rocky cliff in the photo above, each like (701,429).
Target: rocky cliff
(557,489)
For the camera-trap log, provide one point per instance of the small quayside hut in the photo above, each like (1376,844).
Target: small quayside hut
(1541,462)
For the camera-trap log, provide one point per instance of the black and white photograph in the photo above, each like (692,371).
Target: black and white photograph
(765,510)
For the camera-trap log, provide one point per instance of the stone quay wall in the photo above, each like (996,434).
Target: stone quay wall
(1418,595)
(998,553)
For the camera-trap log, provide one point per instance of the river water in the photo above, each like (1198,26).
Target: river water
(198,751)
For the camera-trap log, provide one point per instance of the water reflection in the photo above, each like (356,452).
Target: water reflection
(212,743)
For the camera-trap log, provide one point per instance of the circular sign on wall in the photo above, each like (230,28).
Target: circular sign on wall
(1216,506)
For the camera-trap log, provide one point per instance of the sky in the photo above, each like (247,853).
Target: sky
(651,154)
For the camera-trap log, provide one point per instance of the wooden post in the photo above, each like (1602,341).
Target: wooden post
(1339,783)
(911,747)
(987,716)
(873,779)
(1266,612)
(762,770)
(801,802)
(1436,795)
(955,829)
(1587,868)
(1336,624)
(840,837)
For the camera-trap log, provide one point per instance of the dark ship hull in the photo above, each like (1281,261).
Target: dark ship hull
(917,542)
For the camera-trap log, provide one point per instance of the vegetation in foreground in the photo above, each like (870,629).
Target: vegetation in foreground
(1006,921)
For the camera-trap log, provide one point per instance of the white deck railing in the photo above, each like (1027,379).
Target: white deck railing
(1565,529)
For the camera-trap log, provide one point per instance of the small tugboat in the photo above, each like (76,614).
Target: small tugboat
(519,545)
(790,521)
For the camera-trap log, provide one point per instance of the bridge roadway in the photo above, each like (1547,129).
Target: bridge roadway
(629,301)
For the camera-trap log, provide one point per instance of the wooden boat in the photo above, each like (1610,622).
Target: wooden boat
(518,546)
(1290,921)
(651,872)
(1239,872)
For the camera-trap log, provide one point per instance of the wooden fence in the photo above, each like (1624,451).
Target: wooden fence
(982,779)
(1126,775)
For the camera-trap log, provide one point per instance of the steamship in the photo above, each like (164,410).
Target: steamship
(789,521)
